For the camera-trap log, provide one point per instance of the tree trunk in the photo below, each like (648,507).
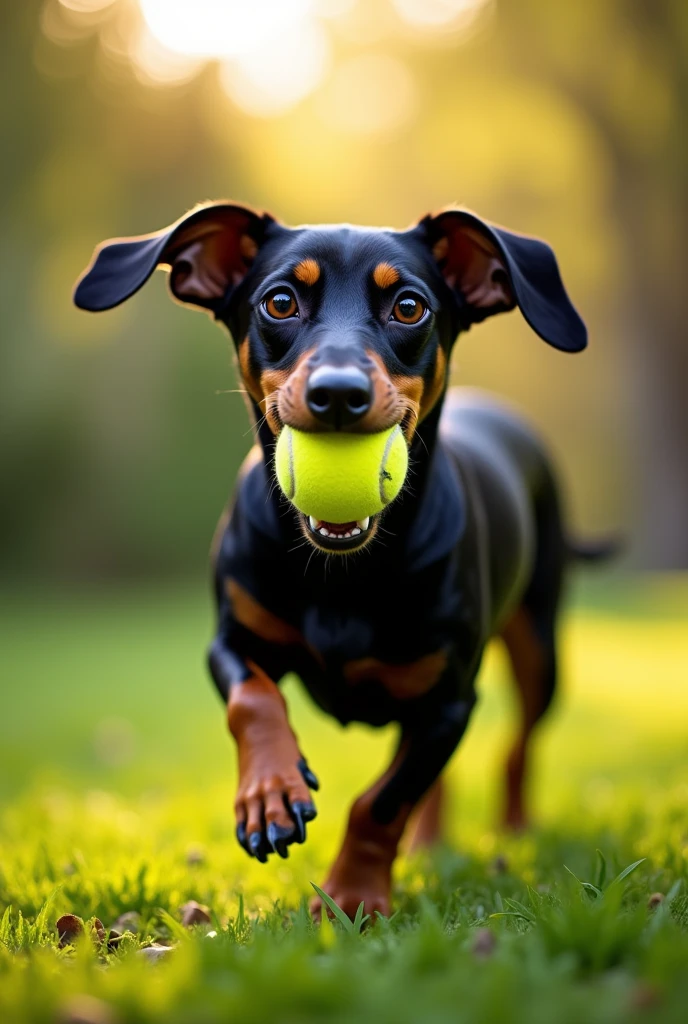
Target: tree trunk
(650,207)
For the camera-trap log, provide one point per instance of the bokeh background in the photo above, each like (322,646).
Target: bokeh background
(120,438)
(122,432)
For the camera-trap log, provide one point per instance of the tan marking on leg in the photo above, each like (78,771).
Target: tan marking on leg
(428,819)
(267,750)
(528,664)
(264,623)
(363,868)
(403,682)
(307,271)
(385,275)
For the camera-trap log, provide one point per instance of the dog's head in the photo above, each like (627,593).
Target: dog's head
(340,328)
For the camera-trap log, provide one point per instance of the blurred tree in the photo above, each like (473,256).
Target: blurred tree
(566,119)
(624,64)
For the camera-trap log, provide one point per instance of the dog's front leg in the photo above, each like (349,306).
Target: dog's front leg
(363,868)
(273,802)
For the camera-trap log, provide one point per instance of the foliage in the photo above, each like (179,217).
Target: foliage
(122,432)
(555,951)
(556,923)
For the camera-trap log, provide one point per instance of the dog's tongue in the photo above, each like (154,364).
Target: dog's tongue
(337,527)
(339,530)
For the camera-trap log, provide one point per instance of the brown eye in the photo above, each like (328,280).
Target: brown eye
(408,310)
(281,306)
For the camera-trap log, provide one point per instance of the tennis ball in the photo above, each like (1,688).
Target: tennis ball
(339,477)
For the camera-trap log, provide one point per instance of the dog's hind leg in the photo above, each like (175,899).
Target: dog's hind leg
(362,871)
(530,639)
(428,821)
(533,664)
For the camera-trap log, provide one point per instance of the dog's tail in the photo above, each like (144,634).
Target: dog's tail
(595,552)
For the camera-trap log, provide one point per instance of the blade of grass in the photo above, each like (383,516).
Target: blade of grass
(526,914)
(513,913)
(360,919)
(176,928)
(601,869)
(622,875)
(344,919)
(588,886)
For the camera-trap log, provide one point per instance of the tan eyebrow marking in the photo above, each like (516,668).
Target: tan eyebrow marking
(385,275)
(307,271)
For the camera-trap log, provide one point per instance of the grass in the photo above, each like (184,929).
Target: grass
(117,779)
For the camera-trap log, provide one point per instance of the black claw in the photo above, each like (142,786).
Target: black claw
(241,836)
(279,838)
(302,813)
(309,812)
(297,814)
(309,778)
(255,842)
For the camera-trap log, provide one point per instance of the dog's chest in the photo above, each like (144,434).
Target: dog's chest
(400,648)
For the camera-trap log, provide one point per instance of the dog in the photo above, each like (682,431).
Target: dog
(341,328)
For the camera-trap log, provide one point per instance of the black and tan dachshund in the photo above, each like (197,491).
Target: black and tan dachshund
(386,619)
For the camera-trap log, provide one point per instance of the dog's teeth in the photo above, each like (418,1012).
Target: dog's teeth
(313,523)
(324,532)
(363,524)
(346,535)
(355,532)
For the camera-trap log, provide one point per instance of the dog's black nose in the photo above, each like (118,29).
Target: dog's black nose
(339,395)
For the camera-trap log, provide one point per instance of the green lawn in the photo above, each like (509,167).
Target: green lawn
(117,779)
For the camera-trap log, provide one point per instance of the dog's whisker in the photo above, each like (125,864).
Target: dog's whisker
(297,547)
(422,441)
(310,557)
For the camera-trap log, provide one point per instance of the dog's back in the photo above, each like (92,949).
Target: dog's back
(507,472)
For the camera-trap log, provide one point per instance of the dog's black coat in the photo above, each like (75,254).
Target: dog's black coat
(476,532)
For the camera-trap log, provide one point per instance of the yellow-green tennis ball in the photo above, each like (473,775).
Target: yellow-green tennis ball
(339,477)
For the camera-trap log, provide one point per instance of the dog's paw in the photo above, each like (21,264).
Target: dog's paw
(272,810)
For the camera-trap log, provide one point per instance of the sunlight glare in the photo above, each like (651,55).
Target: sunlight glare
(156,64)
(274,77)
(86,6)
(212,29)
(370,94)
(438,14)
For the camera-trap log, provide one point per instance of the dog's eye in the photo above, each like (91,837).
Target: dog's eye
(281,305)
(408,310)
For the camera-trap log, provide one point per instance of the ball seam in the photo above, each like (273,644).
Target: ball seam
(383,462)
(292,476)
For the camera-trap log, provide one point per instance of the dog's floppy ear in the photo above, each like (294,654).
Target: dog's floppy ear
(206,252)
(493,270)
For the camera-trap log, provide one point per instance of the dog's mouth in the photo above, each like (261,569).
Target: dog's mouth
(342,538)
